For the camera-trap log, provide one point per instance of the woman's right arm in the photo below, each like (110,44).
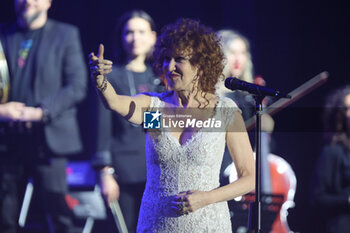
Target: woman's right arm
(130,107)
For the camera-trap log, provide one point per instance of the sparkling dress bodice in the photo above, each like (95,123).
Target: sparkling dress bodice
(173,168)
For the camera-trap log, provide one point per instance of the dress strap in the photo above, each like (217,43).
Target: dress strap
(155,102)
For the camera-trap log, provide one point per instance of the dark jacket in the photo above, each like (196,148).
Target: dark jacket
(331,188)
(60,81)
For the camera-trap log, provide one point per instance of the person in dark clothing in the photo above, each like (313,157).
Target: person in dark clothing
(121,145)
(331,184)
(38,123)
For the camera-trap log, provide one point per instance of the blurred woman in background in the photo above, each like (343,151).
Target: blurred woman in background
(331,187)
(121,145)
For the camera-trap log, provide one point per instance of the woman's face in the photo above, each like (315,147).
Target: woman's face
(138,37)
(237,57)
(179,72)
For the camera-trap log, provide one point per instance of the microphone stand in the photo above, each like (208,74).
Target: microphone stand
(259,92)
(254,222)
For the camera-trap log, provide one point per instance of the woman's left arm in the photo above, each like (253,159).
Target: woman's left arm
(242,155)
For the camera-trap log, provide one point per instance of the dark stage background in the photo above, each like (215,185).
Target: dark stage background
(292,41)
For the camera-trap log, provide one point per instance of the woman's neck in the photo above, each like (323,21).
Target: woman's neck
(192,99)
(185,98)
(137,64)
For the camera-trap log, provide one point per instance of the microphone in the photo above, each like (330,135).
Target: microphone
(237,84)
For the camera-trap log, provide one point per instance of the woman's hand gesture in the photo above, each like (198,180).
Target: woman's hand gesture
(99,67)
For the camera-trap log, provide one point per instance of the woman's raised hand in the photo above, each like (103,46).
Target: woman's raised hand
(99,66)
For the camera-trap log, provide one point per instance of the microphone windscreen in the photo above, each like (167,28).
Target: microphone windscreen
(231,83)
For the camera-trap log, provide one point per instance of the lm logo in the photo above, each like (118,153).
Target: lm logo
(151,120)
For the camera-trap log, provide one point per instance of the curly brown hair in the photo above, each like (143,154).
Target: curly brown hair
(202,44)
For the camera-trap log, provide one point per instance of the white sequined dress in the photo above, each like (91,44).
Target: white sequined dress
(173,168)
